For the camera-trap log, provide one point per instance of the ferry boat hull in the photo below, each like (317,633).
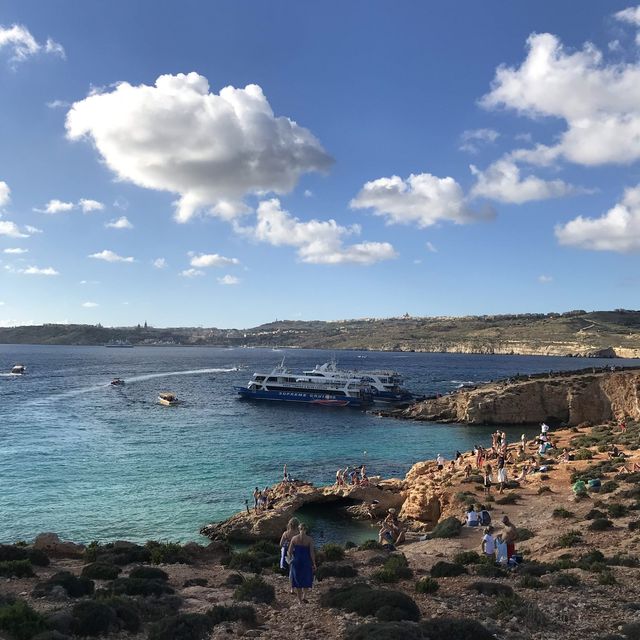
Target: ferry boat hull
(305,397)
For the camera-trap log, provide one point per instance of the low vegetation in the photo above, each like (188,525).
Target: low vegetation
(255,589)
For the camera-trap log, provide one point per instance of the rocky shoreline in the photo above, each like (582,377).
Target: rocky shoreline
(580,577)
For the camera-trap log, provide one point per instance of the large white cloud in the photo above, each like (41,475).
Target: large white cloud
(11,229)
(502,181)
(39,271)
(631,15)
(318,242)
(60,206)
(617,230)
(209,149)
(19,40)
(421,199)
(599,102)
(5,194)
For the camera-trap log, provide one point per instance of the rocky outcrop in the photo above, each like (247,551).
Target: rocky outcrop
(51,544)
(569,399)
(249,526)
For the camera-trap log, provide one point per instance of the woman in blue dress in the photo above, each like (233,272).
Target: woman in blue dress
(302,562)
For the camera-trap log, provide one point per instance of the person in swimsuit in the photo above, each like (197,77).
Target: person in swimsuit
(285,540)
(302,562)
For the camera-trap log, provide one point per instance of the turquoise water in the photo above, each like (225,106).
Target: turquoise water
(91,461)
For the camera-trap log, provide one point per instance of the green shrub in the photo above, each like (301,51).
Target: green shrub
(116,553)
(566,580)
(10,552)
(101,571)
(20,620)
(531,582)
(257,557)
(467,557)
(360,598)
(234,579)
(154,609)
(491,588)
(454,629)
(616,510)
(196,582)
(569,539)
(75,587)
(607,578)
(631,630)
(442,569)
(600,524)
(447,528)
(534,569)
(255,590)
(38,557)
(583,454)
(609,486)
(16,569)
(386,631)
(138,587)
(514,606)
(395,568)
(490,570)
(184,626)
(561,512)
(622,560)
(264,546)
(126,611)
(525,534)
(371,545)
(93,618)
(149,573)
(349,544)
(167,553)
(595,513)
(427,585)
(332,552)
(335,570)
(588,559)
(245,613)
(634,525)
(544,489)
(510,498)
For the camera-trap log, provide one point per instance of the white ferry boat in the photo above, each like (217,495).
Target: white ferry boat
(386,385)
(287,386)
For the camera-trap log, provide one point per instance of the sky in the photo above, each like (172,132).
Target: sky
(229,163)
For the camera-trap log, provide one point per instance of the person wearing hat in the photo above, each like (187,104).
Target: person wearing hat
(391,531)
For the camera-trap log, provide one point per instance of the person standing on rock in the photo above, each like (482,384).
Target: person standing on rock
(440,462)
(256,499)
(285,540)
(487,480)
(509,536)
(502,473)
(302,562)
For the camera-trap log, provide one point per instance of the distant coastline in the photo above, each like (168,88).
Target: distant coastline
(603,334)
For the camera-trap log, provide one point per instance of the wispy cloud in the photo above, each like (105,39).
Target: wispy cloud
(229,280)
(22,45)
(191,273)
(110,256)
(90,305)
(159,263)
(121,223)
(15,250)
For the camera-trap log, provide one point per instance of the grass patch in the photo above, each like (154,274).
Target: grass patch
(491,588)
(531,582)
(75,587)
(16,569)
(595,513)
(490,570)
(525,534)
(510,498)
(467,557)
(371,545)
(617,510)
(569,539)
(149,573)
(514,606)
(607,578)
(332,552)
(566,580)
(20,620)
(394,569)
(335,570)
(427,585)
(442,569)
(561,512)
(167,553)
(447,528)
(101,571)
(138,587)
(600,524)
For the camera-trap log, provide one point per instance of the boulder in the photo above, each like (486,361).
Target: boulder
(51,544)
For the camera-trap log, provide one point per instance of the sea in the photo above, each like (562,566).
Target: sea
(90,461)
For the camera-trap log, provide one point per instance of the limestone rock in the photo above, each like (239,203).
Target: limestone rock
(51,544)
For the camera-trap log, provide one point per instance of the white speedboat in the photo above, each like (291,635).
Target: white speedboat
(18,369)
(386,385)
(287,386)
(168,399)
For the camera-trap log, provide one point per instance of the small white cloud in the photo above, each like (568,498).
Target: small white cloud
(545,279)
(159,263)
(58,104)
(11,229)
(90,305)
(32,230)
(431,247)
(15,250)
(37,271)
(212,260)
(308,193)
(55,206)
(421,199)
(89,282)
(472,139)
(417,261)
(316,241)
(5,194)
(502,181)
(191,273)
(631,15)
(18,39)
(121,223)
(228,280)
(617,230)
(88,205)
(110,256)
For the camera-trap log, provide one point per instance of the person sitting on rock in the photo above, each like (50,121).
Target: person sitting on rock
(391,531)
(472,517)
(615,452)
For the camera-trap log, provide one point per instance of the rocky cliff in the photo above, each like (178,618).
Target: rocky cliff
(557,399)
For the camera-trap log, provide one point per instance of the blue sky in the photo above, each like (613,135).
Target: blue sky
(331,178)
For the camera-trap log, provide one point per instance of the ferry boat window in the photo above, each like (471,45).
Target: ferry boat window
(259,378)
(272,379)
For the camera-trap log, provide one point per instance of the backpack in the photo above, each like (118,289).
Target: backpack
(485,518)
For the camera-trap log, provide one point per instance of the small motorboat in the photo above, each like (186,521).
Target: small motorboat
(18,369)
(168,399)
(117,382)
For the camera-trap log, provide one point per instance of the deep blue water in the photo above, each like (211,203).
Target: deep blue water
(91,461)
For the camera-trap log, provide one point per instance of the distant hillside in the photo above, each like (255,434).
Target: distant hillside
(575,333)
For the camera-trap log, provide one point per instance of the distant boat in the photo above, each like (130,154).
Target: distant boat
(18,369)
(119,344)
(168,399)
(117,382)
